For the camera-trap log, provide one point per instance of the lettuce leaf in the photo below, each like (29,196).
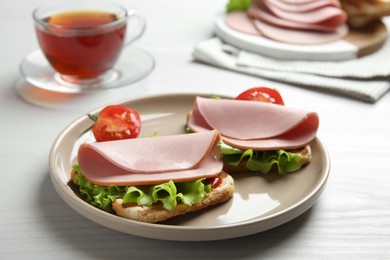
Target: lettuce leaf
(261,161)
(98,196)
(168,193)
(237,5)
(192,192)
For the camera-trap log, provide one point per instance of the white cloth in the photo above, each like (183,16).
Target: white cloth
(366,78)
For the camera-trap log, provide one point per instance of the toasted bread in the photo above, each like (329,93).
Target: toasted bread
(362,12)
(156,213)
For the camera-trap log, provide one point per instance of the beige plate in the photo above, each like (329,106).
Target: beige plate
(260,202)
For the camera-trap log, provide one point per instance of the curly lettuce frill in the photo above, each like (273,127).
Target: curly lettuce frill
(168,193)
(262,161)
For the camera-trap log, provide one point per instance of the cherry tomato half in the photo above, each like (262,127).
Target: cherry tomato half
(262,94)
(116,122)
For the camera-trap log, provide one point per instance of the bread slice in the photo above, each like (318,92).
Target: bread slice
(363,12)
(365,7)
(156,213)
(305,159)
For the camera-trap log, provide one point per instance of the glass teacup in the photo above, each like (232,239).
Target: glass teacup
(82,40)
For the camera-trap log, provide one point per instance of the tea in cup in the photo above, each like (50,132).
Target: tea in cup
(82,40)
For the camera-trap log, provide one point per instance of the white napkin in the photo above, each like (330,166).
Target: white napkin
(364,78)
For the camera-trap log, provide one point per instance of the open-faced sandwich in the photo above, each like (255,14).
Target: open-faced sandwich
(257,136)
(153,179)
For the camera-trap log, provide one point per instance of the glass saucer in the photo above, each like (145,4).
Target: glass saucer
(134,64)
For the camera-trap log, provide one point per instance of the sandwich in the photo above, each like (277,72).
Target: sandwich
(363,12)
(256,136)
(153,179)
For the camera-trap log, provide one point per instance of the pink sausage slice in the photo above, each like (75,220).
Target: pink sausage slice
(240,21)
(151,160)
(256,13)
(301,6)
(256,125)
(299,36)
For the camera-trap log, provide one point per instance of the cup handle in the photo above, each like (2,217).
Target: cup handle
(138,30)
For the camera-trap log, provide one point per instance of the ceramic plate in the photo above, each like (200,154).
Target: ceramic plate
(260,202)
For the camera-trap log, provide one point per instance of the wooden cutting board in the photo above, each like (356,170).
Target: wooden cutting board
(368,39)
(356,44)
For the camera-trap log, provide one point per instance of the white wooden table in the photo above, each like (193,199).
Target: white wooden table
(351,220)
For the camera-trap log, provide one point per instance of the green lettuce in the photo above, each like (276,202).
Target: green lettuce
(261,161)
(168,193)
(237,5)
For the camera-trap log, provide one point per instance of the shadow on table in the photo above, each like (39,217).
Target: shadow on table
(78,236)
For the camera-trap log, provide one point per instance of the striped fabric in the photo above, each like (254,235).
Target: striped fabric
(365,79)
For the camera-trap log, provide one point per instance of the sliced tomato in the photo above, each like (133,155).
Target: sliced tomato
(262,94)
(116,122)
